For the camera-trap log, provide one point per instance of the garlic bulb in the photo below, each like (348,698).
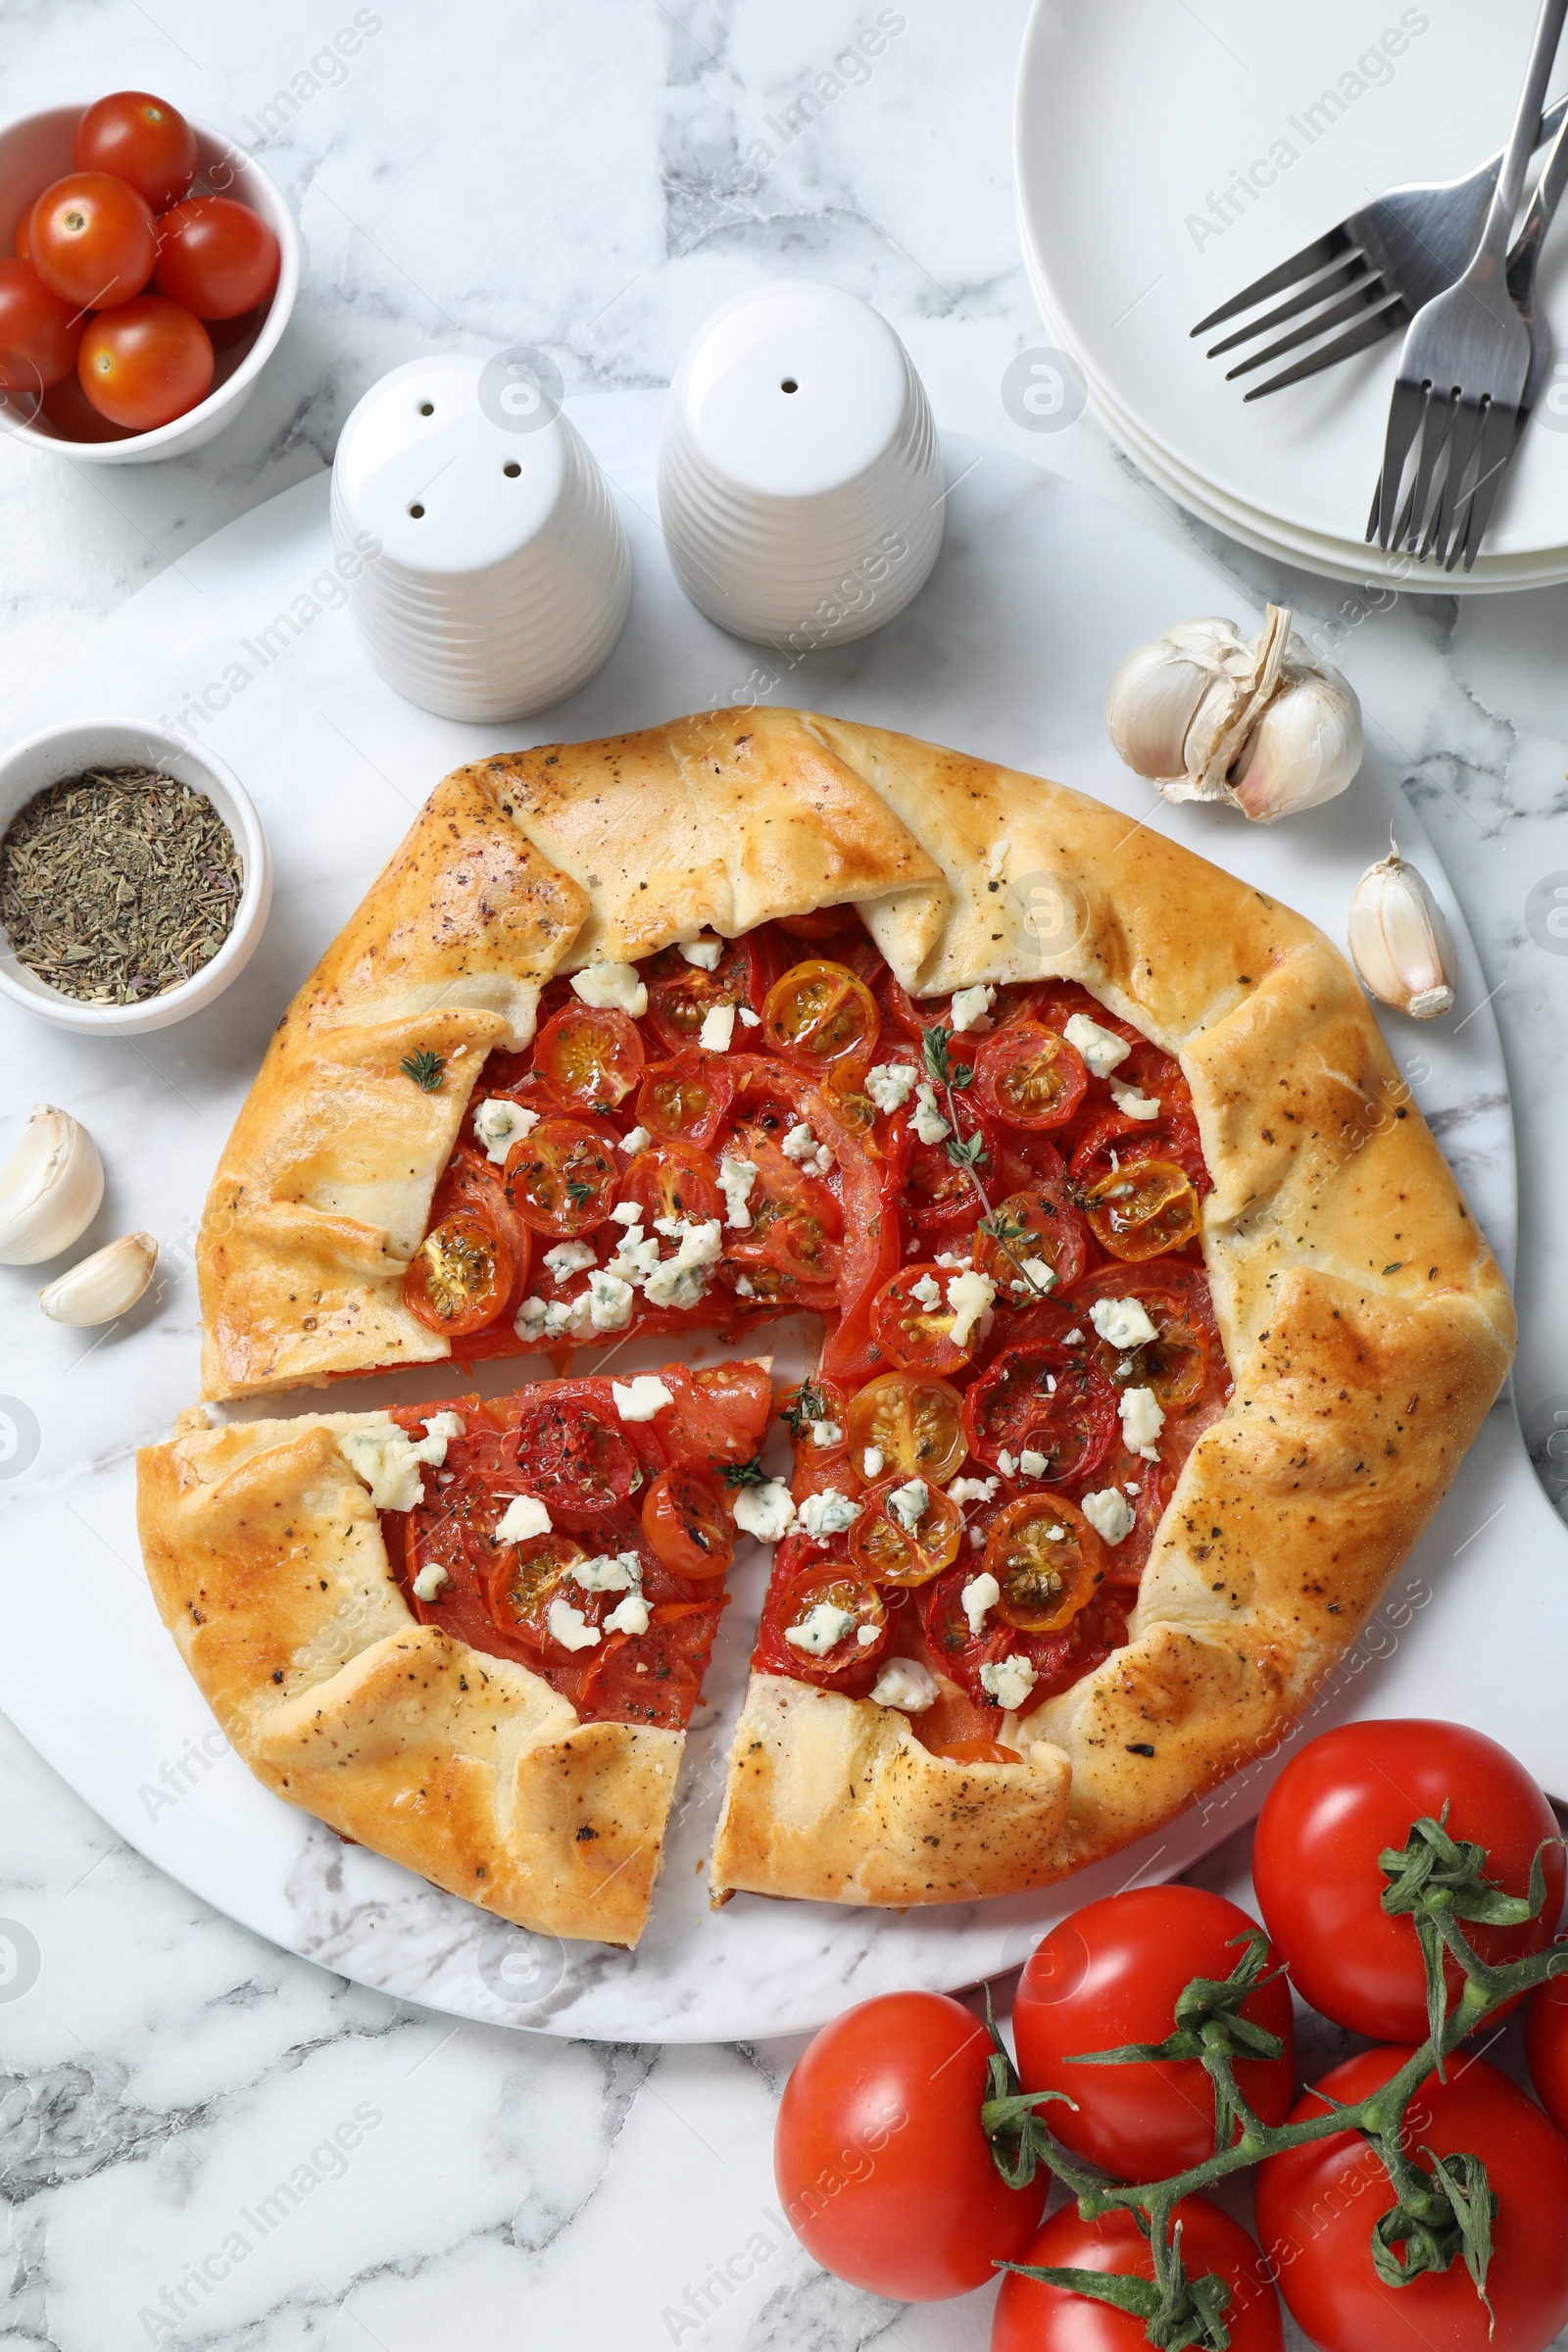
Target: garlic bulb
(1210,716)
(104,1284)
(50,1188)
(1399,943)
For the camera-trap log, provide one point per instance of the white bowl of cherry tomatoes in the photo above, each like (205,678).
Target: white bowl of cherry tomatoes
(150,271)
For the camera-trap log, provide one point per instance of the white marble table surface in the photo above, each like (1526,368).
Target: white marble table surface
(591,176)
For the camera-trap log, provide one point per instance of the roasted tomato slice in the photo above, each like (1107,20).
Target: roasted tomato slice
(1174,1363)
(672,1180)
(1048,1561)
(1029,1075)
(816,1412)
(824,922)
(939,1192)
(912,1323)
(1032,1245)
(796,1222)
(1038,1399)
(685,1521)
(1145,1207)
(590,1056)
(908,1532)
(795,1625)
(525,1581)
(914,1422)
(561,1177)
(681,995)
(461,1277)
(687,1097)
(721,1412)
(579,1463)
(819,1015)
(653,1678)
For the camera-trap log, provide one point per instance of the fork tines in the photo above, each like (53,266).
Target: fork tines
(1305,263)
(1344,288)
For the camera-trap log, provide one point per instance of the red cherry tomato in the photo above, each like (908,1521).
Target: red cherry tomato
(217,257)
(912,1323)
(582,1465)
(590,1056)
(561,1177)
(461,1277)
(93,240)
(674,1180)
(1031,2317)
(1110,1974)
(820,1015)
(687,1097)
(145,362)
(1336,1806)
(685,1521)
(792,1603)
(1038,1225)
(141,138)
(1546,2048)
(681,995)
(1027,1074)
(39,334)
(1316,2207)
(882,2167)
(1042,1398)
(939,1192)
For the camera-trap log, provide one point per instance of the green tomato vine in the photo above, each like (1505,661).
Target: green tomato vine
(1440,2215)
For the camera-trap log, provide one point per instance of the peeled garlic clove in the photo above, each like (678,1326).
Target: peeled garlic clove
(50,1188)
(104,1284)
(1399,943)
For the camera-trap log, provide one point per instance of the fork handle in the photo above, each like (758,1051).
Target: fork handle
(1545,202)
(1525,129)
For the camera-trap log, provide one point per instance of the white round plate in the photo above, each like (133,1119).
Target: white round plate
(1166,157)
(1039,591)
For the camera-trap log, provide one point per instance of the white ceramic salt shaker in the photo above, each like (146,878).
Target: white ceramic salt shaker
(800,476)
(496,574)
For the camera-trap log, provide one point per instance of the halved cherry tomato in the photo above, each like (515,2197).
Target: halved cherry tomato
(912,1323)
(561,1178)
(685,1521)
(461,1277)
(939,1191)
(135,136)
(93,240)
(40,333)
(1174,1363)
(1040,1398)
(1103,1141)
(835,1586)
(1116,1141)
(217,257)
(1034,1228)
(914,1422)
(1046,1559)
(1145,1207)
(1027,1074)
(526,1578)
(590,1056)
(898,1545)
(672,1180)
(687,1097)
(681,995)
(579,1463)
(721,1412)
(820,1015)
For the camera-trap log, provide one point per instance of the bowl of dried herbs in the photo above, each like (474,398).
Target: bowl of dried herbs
(134,880)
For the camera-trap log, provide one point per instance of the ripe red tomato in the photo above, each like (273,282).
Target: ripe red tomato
(1110,1974)
(217,257)
(686,1523)
(1316,2207)
(39,334)
(140,138)
(1031,2317)
(589,1055)
(1546,2048)
(145,362)
(882,2167)
(1333,1810)
(460,1275)
(93,240)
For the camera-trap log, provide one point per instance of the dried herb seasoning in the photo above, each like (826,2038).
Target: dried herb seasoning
(117,884)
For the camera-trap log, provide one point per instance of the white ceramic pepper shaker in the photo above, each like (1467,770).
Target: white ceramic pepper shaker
(497,575)
(800,474)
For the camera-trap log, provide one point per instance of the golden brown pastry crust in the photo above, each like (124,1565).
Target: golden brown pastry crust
(1365,1321)
(265,1556)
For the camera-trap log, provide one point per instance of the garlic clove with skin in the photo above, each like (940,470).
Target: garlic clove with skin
(1400,943)
(50,1188)
(103,1285)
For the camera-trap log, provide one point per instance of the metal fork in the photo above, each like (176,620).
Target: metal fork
(1466,357)
(1393,254)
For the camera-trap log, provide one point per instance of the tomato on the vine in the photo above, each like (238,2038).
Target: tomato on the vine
(93,240)
(1349,1795)
(881,2163)
(1546,2048)
(1111,1975)
(1317,2205)
(217,257)
(145,362)
(135,136)
(1033,2317)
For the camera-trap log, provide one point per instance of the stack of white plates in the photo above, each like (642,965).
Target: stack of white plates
(1168,156)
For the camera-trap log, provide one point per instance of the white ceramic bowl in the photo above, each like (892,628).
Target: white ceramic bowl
(800,474)
(501,576)
(37,151)
(48,758)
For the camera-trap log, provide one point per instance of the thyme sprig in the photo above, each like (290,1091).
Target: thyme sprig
(425,1068)
(1440,2215)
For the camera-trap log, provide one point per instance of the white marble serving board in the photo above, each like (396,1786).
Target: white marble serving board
(1039,591)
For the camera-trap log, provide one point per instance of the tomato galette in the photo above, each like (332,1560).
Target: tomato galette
(469,1636)
(1152,1324)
